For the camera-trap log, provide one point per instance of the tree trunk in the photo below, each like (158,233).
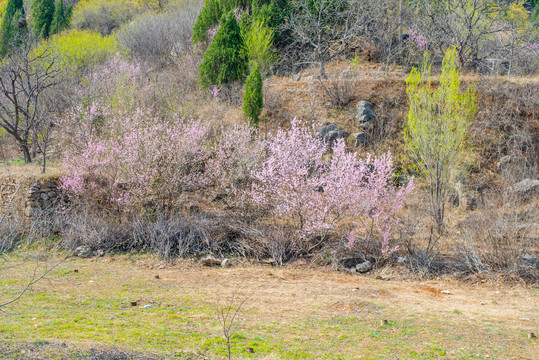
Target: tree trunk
(26,153)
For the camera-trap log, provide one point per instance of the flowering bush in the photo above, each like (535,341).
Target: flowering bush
(121,153)
(132,158)
(315,192)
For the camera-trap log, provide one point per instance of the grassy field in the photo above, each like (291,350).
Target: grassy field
(296,312)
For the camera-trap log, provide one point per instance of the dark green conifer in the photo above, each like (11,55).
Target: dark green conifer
(42,15)
(225,60)
(9,27)
(252,97)
(208,18)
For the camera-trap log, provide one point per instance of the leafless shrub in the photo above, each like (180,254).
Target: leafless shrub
(162,38)
(506,124)
(104,18)
(227,315)
(279,243)
(498,236)
(340,91)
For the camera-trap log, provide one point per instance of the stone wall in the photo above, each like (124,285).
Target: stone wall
(32,195)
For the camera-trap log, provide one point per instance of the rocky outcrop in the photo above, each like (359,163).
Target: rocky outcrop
(365,115)
(526,188)
(331,132)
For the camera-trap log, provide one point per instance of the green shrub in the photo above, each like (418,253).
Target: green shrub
(258,39)
(436,127)
(62,17)
(42,14)
(209,17)
(225,60)
(14,10)
(252,96)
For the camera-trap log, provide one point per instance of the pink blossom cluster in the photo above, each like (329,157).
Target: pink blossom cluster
(417,40)
(214,91)
(532,48)
(317,192)
(131,158)
(238,13)
(213,31)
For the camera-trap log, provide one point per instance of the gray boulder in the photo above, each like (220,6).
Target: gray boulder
(331,132)
(526,187)
(530,260)
(360,139)
(364,267)
(364,113)
(84,252)
(351,262)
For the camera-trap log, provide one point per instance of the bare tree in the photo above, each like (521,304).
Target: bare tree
(27,75)
(330,27)
(467,24)
(227,316)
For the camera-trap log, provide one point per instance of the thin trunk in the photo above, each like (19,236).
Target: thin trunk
(26,152)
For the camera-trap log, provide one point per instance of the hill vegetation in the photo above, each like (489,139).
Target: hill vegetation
(363,136)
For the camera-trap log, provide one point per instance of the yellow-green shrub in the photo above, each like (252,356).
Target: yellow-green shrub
(79,50)
(3,4)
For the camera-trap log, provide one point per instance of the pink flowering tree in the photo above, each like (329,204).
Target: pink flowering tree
(132,158)
(316,193)
(119,153)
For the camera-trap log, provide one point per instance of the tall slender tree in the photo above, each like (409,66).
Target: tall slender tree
(252,97)
(8,29)
(42,14)
(61,18)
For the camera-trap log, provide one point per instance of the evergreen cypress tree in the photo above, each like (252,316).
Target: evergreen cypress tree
(14,11)
(42,14)
(252,97)
(209,17)
(58,20)
(225,60)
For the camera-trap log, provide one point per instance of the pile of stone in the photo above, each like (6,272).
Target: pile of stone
(42,195)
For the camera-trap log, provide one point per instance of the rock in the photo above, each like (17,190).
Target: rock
(331,132)
(211,261)
(401,259)
(526,187)
(351,262)
(100,252)
(83,252)
(360,139)
(364,267)
(51,194)
(511,163)
(364,112)
(47,203)
(530,259)
(44,196)
(226,263)
(447,292)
